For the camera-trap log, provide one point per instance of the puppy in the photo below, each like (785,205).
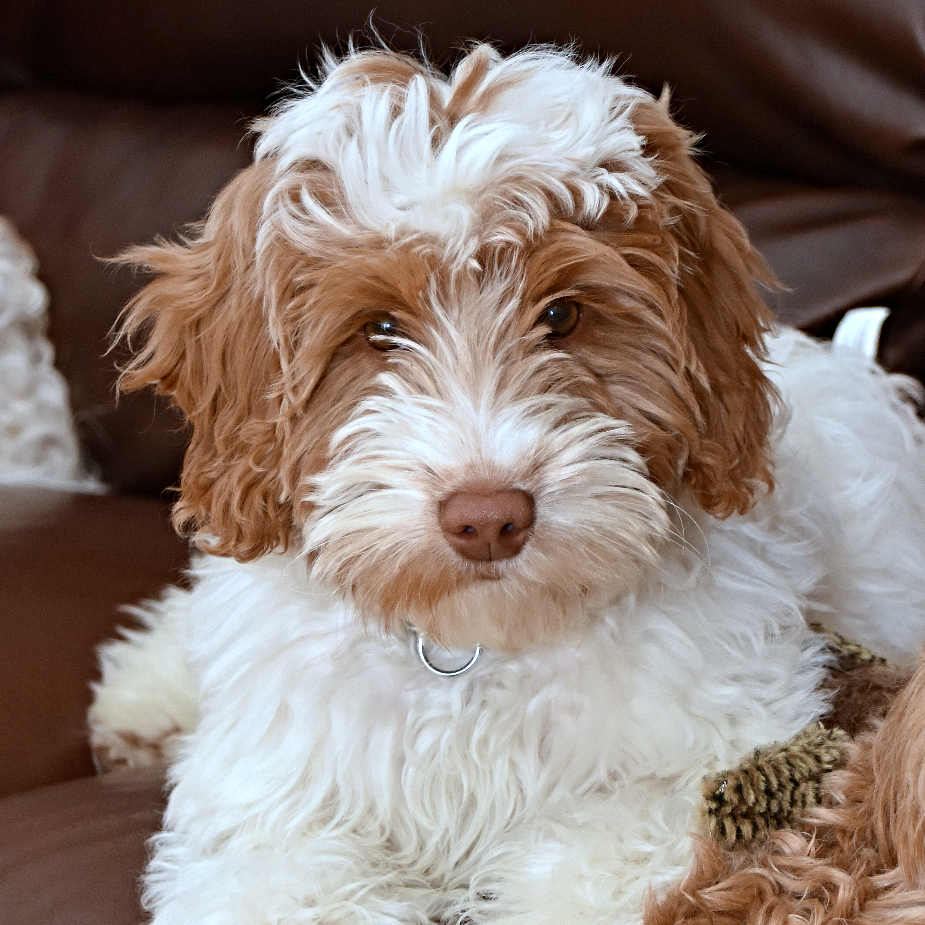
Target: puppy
(857,860)
(514,512)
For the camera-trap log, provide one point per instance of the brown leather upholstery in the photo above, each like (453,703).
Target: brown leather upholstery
(83,178)
(72,854)
(120,122)
(832,247)
(68,562)
(825,92)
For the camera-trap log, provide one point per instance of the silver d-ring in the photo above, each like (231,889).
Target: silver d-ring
(443,672)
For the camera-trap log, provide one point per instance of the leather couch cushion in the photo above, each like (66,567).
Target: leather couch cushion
(832,247)
(826,92)
(84,178)
(69,562)
(72,854)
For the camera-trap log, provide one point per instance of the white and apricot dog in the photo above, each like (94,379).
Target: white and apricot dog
(514,511)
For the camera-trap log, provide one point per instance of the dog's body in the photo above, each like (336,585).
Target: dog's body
(483,357)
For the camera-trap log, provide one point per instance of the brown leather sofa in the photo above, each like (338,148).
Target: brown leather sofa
(119,122)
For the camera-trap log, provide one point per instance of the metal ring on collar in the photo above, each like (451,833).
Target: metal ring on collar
(443,672)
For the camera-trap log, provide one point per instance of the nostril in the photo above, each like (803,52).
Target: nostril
(487,525)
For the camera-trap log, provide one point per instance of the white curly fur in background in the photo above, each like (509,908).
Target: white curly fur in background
(38,442)
(480,361)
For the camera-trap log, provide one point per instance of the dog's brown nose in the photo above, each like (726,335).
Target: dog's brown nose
(487,526)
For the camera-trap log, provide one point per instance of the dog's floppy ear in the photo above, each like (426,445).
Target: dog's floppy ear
(207,342)
(721,319)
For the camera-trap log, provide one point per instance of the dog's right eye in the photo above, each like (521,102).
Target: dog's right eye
(560,318)
(382,333)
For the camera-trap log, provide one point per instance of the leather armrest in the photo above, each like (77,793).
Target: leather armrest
(72,854)
(69,561)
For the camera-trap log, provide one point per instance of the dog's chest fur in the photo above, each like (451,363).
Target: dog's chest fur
(611,732)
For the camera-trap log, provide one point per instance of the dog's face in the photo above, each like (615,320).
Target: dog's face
(462,341)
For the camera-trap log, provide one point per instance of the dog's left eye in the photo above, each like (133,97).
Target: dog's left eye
(560,317)
(382,333)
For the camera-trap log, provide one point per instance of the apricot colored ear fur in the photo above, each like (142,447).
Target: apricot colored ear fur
(724,320)
(207,343)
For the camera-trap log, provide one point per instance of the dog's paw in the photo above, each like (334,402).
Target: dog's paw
(146,697)
(124,748)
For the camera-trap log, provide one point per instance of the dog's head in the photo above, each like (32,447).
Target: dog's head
(462,340)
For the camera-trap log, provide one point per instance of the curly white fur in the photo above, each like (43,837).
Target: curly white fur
(530,132)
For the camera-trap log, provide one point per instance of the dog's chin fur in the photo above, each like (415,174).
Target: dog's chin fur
(685,525)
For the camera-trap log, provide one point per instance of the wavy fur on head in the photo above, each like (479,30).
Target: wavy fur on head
(459,208)
(859,859)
